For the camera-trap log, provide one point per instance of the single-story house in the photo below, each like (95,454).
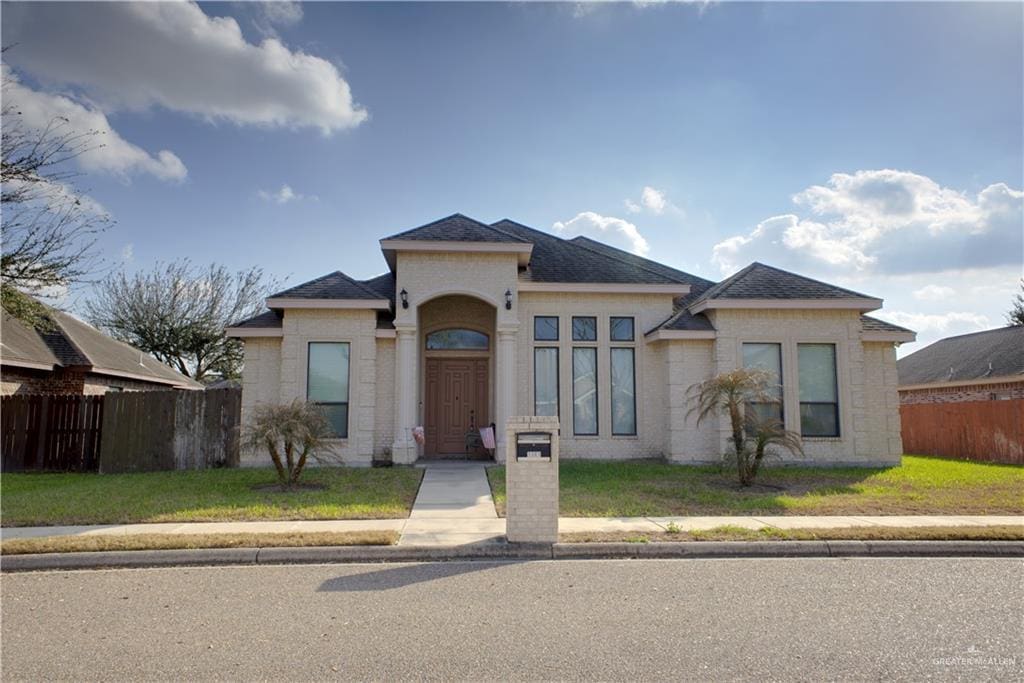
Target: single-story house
(980,366)
(73,357)
(473,323)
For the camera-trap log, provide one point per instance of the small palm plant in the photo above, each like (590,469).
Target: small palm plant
(730,393)
(291,433)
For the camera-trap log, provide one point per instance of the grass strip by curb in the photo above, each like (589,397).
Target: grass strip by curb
(734,533)
(106,542)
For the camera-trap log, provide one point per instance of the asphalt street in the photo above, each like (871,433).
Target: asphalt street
(812,619)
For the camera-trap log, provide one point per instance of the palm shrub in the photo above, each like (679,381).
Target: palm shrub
(730,393)
(291,433)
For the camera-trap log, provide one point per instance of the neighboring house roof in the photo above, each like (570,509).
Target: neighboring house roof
(978,356)
(555,260)
(334,285)
(456,228)
(72,342)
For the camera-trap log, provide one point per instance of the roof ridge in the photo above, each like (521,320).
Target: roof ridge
(1004,328)
(619,258)
(592,251)
(348,278)
(805,277)
(457,214)
(58,327)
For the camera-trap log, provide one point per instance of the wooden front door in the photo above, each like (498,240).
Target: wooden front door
(456,400)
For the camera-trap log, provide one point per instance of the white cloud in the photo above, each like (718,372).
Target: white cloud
(111,153)
(282,13)
(128,253)
(652,200)
(934,293)
(614,231)
(886,221)
(945,324)
(284,195)
(171,54)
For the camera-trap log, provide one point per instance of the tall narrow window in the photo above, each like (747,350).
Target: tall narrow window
(767,357)
(545,381)
(584,391)
(327,382)
(819,391)
(623,392)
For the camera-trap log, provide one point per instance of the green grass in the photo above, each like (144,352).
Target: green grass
(204,496)
(921,485)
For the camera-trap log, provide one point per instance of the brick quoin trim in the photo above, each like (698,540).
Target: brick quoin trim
(974,392)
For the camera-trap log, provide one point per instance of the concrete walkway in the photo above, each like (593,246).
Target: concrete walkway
(473,527)
(453,507)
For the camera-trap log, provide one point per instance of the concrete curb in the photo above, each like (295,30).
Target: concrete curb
(507,551)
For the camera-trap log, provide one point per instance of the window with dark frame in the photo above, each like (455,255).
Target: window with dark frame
(584,328)
(623,370)
(545,381)
(621,329)
(327,378)
(819,390)
(767,357)
(545,328)
(584,391)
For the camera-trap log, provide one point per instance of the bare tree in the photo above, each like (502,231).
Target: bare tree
(177,313)
(1016,314)
(49,227)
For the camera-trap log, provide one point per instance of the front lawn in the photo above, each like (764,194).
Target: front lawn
(921,485)
(204,496)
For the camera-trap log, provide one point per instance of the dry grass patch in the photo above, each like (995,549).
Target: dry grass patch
(734,533)
(99,542)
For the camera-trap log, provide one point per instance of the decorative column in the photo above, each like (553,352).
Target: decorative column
(505,391)
(403,451)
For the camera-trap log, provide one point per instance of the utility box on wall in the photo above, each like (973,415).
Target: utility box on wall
(531,480)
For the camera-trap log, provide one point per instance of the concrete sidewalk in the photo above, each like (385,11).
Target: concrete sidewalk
(453,507)
(466,530)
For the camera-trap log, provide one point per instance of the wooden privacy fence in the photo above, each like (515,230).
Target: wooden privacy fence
(990,431)
(122,432)
(50,432)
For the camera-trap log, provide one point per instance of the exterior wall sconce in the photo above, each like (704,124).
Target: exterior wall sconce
(405,298)
(508,299)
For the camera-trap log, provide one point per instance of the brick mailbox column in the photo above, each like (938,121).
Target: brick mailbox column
(531,481)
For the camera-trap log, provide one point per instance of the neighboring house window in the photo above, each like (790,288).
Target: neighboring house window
(621,329)
(767,357)
(545,381)
(545,328)
(457,340)
(584,328)
(584,390)
(819,391)
(327,382)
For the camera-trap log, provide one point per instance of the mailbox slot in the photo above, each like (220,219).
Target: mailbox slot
(533,446)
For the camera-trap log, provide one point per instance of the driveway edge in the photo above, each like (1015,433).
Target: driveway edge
(507,551)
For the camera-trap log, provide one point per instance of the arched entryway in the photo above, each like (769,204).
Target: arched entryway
(457,348)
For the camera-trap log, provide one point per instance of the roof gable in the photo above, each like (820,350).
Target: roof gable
(334,285)
(975,356)
(455,228)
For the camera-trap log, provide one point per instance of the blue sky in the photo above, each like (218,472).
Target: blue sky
(876,145)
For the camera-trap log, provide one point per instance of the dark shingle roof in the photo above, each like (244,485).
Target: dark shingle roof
(558,260)
(334,285)
(759,281)
(456,228)
(685,321)
(267,319)
(697,284)
(384,285)
(869,324)
(980,355)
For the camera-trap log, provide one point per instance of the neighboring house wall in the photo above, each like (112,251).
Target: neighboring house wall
(992,391)
(25,381)
(866,436)
(647,310)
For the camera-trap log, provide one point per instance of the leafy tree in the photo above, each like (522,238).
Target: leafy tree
(291,433)
(177,312)
(729,394)
(1016,314)
(49,227)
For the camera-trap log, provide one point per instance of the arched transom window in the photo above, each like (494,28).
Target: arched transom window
(456,339)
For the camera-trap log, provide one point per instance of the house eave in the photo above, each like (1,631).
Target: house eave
(604,288)
(299,302)
(669,335)
(982,381)
(522,250)
(790,304)
(246,332)
(897,337)
(27,364)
